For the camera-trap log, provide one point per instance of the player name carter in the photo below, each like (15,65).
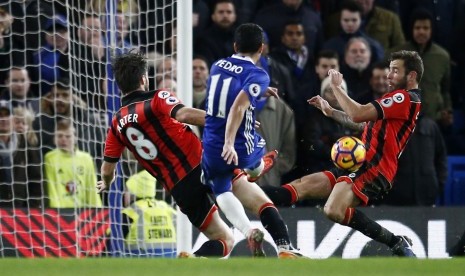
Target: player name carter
(229,66)
(130,118)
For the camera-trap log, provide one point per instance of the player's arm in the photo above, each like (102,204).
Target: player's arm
(107,171)
(344,119)
(337,115)
(235,117)
(113,150)
(188,115)
(357,113)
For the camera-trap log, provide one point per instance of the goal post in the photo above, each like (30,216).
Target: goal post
(184,71)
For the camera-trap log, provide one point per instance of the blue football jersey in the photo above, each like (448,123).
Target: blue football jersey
(228,77)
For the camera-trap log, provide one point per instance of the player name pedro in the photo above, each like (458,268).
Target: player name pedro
(226,65)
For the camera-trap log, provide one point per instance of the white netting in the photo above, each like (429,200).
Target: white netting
(54,61)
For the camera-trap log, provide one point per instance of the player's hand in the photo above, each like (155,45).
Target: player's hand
(101,186)
(272,92)
(257,124)
(230,155)
(335,77)
(321,104)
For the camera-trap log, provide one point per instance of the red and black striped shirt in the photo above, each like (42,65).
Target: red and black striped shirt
(385,138)
(166,148)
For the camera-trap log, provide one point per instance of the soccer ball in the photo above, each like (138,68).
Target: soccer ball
(348,153)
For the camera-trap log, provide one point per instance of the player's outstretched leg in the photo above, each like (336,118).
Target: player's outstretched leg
(312,186)
(337,209)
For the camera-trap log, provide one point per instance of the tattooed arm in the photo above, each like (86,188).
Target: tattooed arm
(337,115)
(344,119)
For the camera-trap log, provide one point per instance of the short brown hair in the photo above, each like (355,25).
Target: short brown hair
(128,69)
(412,62)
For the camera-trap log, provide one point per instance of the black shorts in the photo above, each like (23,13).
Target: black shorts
(194,200)
(368,183)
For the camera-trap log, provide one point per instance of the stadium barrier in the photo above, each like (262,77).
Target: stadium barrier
(67,233)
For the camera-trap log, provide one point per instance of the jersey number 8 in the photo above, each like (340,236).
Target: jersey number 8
(145,148)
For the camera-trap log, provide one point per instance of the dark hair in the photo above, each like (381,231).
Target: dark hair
(203,58)
(217,2)
(128,69)
(248,38)
(412,62)
(421,14)
(326,53)
(352,6)
(291,21)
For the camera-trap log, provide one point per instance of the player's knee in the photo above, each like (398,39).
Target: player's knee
(261,202)
(333,213)
(254,205)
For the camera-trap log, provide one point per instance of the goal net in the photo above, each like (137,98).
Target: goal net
(56,100)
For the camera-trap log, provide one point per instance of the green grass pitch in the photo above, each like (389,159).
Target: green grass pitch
(234,266)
